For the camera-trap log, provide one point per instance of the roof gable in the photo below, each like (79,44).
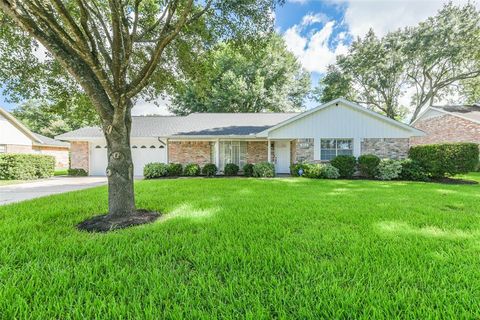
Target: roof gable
(354,106)
(467,112)
(19,125)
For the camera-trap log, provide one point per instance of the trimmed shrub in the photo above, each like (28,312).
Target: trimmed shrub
(210,170)
(321,171)
(388,169)
(248,170)
(313,171)
(345,165)
(175,169)
(155,170)
(191,170)
(264,170)
(330,172)
(296,167)
(367,164)
(446,159)
(412,171)
(231,169)
(26,166)
(77,172)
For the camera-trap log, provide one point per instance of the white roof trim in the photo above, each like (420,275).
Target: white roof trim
(445,112)
(19,125)
(350,104)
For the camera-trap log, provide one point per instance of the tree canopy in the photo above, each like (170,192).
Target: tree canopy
(432,59)
(51,119)
(252,78)
(113,52)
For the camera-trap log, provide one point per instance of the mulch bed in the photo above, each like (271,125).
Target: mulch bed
(105,223)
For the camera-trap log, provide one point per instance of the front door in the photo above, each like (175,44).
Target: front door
(282,156)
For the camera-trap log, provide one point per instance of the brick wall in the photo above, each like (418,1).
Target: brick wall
(392,148)
(79,155)
(15,148)
(303,150)
(190,152)
(447,128)
(60,154)
(257,151)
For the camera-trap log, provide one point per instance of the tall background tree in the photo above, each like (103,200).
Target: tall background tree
(113,52)
(53,118)
(250,78)
(437,58)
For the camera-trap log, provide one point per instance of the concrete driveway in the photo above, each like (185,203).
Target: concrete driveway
(35,189)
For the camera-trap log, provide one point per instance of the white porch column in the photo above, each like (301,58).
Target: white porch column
(269,148)
(217,153)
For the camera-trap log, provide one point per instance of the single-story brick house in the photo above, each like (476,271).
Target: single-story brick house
(319,134)
(16,138)
(454,123)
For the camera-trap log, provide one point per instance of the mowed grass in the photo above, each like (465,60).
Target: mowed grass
(249,248)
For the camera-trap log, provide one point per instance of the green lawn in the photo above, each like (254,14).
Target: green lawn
(247,248)
(61,172)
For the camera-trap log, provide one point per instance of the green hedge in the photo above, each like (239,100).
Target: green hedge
(248,170)
(26,166)
(367,164)
(155,170)
(209,170)
(345,165)
(440,160)
(264,170)
(77,172)
(231,169)
(191,170)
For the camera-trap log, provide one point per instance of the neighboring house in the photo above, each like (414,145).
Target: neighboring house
(319,134)
(16,138)
(459,123)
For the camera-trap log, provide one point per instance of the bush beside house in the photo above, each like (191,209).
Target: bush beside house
(192,170)
(209,170)
(26,166)
(447,159)
(231,169)
(345,165)
(248,170)
(264,170)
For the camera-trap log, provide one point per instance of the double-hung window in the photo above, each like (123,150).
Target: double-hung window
(3,148)
(330,148)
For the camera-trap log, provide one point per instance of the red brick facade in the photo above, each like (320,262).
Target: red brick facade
(184,152)
(60,154)
(257,151)
(79,155)
(446,128)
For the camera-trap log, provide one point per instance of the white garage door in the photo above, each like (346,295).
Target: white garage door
(98,159)
(141,154)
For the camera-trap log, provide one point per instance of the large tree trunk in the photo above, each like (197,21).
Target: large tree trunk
(121,197)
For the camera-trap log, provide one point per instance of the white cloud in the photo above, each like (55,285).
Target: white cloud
(143,107)
(384,16)
(312,18)
(313,51)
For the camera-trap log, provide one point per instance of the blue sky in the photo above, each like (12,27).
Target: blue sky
(316,31)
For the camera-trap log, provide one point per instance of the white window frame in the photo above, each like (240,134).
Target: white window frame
(3,148)
(228,147)
(336,149)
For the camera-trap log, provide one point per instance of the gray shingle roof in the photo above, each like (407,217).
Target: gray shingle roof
(195,124)
(49,141)
(471,112)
